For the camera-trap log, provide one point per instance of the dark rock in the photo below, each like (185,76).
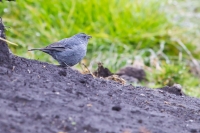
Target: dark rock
(132,72)
(102,71)
(175,89)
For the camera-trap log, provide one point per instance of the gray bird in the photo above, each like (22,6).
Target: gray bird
(68,51)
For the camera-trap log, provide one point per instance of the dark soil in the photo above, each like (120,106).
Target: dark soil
(37,97)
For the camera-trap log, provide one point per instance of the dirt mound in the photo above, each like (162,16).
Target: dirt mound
(38,97)
(4,52)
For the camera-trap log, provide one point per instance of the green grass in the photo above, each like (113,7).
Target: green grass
(124,24)
(123,31)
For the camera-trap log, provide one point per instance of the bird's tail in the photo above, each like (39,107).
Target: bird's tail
(35,49)
(41,49)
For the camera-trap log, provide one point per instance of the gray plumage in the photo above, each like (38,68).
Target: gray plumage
(68,51)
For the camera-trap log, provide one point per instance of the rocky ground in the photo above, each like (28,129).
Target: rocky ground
(37,97)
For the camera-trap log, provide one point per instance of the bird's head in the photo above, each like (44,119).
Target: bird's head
(83,36)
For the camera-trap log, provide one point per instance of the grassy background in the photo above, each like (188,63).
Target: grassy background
(124,32)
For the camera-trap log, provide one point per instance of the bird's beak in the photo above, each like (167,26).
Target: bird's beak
(89,37)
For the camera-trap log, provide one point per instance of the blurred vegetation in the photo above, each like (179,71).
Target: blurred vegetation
(123,31)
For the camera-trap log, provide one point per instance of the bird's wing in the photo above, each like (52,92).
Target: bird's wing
(59,46)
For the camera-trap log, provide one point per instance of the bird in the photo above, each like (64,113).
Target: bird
(68,51)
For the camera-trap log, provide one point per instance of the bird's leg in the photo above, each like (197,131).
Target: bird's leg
(87,69)
(64,65)
(81,66)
